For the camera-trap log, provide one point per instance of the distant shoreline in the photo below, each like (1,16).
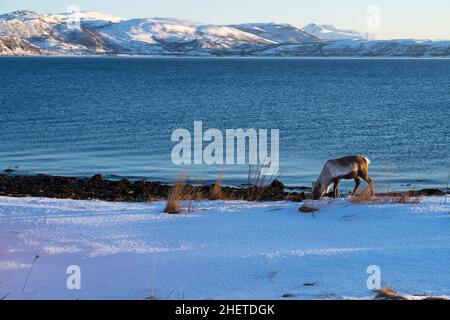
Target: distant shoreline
(236,57)
(27,32)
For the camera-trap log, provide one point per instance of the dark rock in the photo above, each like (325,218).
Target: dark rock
(276,186)
(297,197)
(306,209)
(97,177)
(9,170)
(431,192)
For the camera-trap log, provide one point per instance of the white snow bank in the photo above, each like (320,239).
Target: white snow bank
(223,250)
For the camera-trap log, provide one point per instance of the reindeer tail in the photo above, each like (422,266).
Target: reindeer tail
(367,160)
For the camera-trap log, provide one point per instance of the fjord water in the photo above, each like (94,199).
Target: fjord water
(115,116)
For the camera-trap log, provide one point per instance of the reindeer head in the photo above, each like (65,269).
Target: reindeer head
(317,190)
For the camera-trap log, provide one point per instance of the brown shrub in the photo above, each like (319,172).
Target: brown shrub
(176,194)
(388,294)
(407,198)
(364,196)
(216,193)
(257,182)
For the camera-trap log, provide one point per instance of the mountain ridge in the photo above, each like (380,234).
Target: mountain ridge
(26,32)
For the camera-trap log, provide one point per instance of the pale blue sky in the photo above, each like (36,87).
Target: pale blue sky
(399,18)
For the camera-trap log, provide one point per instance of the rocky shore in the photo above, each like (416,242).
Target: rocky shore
(99,188)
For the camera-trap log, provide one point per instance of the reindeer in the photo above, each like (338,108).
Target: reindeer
(353,167)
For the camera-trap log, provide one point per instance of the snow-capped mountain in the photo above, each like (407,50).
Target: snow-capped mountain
(278,33)
(173,36)
(329,32)
(364,48)
(94,33)
(88,33)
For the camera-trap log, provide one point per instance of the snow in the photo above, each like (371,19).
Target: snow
(19,15)
(278,33)
(137,33)
(25,29)
(88,15)
(222,250)
(217,32)
(329,32)
(88,32)
(146,30)
(11,265)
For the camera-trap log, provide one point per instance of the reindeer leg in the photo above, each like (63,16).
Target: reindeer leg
(336,188)
(357,183)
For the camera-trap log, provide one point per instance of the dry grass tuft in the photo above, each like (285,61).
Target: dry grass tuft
(176,194)
(182,191)
(388,294)
(198,195)
(364,196)
(407,198)
(257,181)
(216,190)
(193,193)
(173,205)
(391,294)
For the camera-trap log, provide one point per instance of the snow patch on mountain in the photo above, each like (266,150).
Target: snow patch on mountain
(278,33)
(88,15)
(19,15)
(329,32)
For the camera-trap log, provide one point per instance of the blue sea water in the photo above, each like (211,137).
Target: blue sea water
(115,116)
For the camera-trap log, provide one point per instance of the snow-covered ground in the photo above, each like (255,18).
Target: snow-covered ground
(222,250)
